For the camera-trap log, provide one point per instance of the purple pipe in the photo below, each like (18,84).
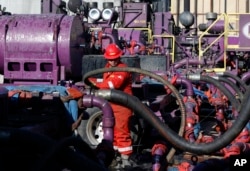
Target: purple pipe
(108,116)
(191,61)
(188,84)
(156,166)
(140,46)
(183,62)
(110,36)
(157,153)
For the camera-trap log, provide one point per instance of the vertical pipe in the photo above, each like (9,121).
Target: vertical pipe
(165,5)
(186,5)
(169,5)
(247,6)
(177,12)
(212,6)
(108,116)
(196,15)
(225,6)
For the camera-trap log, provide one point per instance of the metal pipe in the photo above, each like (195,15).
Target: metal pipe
(225,6)
(187,5)
(211,5)
(110,36)
(247,6)
(196,15)
(188,84)
(177,12)
(108,116)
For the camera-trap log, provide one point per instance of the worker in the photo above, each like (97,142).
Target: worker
(120,81)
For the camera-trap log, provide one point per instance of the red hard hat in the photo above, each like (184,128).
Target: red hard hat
(112,51)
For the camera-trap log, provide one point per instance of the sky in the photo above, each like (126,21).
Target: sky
(22,6)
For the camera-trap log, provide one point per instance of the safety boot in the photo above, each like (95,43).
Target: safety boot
(127,162)
(116,163)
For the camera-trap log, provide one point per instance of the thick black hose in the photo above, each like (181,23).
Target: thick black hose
(154,76)
(237,79)
(171,136)
(176,140)
(150,74)
(235,103)
(232,85)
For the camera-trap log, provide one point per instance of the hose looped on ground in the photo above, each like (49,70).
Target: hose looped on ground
(154,76)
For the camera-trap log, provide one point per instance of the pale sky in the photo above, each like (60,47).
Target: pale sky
(22,6)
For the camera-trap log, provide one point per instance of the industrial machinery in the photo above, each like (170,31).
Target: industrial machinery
(190,85)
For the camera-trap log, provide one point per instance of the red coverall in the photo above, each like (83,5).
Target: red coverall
(120,81)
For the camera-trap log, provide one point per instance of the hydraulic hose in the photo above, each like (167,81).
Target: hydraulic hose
(164,130)
(241,83)
(176,140)
(235,103)
(245,77)
(154,76)
(232,85)
(189,92)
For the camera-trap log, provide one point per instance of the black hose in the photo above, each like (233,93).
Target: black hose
(235,103)
(232,85)
(176,140)
(154,76)
(241,83)
(150,74)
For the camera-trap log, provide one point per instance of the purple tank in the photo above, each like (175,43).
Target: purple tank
(40,48)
